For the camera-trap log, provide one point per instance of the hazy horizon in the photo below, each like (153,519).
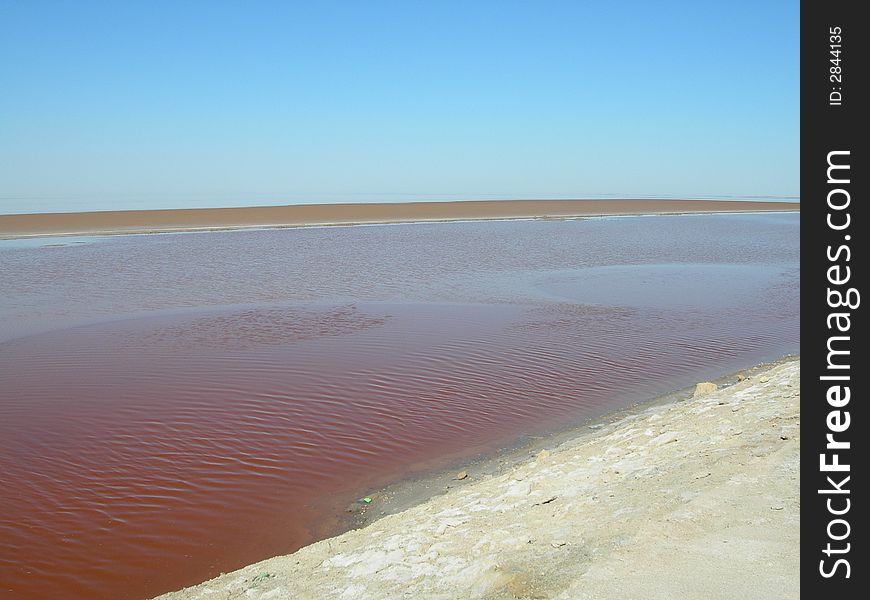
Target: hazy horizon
(67,206)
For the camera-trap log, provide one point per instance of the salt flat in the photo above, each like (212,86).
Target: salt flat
(301,215)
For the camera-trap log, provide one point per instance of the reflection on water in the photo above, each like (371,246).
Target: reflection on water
(173,407)
(50,242)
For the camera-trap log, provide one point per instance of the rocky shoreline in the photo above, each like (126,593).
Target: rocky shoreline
(697,498)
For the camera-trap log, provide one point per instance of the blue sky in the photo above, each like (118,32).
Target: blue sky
(160,104)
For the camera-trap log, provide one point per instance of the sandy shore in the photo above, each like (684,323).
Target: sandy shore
(154,221)
(691,499)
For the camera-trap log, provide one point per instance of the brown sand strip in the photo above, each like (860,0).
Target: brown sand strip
(152,221)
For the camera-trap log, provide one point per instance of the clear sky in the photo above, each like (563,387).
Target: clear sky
(158,104)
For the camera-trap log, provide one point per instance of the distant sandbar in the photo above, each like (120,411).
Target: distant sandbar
(302,215)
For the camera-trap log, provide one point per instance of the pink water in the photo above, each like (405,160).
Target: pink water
(176,406)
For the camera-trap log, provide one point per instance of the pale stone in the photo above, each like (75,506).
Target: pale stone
(704,388)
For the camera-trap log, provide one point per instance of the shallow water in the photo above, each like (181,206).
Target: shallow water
(175,406)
